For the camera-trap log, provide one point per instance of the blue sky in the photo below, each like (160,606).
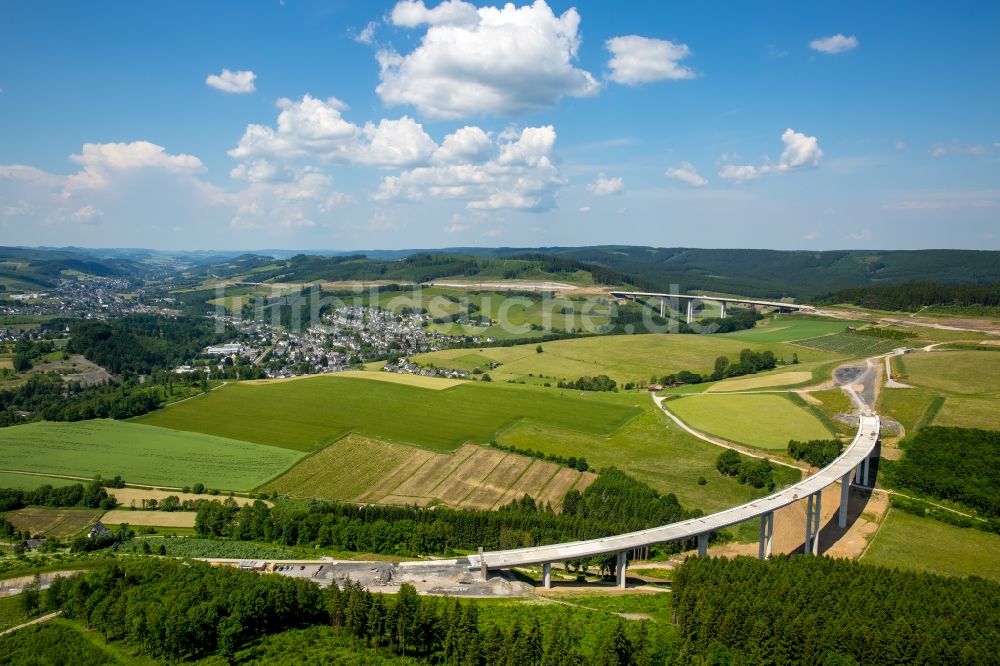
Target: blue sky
(340,125)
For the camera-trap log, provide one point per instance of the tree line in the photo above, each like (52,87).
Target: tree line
(809,610)
(816,452)
(613,504)
(572,461)
(914,295)
(755,472)
(957,464)
(179,611)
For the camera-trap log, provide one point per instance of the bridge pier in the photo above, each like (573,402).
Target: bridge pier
(722,309)
(482,565)
(620,569)
(866,463)
(663,306)
(703,544)
(813,520)
(766,535)
(547,575)
(690,311)
(845,493)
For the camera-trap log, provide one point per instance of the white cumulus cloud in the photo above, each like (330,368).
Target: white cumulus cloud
(487,61)
(636,60)
(518,175)
(239,82)
(834,44)
(800,151)
(686,173)
(956,147)
(605,186)
(99,160)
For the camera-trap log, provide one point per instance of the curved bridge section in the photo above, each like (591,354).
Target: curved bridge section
(851,465)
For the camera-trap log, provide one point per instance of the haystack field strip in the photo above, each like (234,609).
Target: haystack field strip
(433,383)
(362,469)
(60,523)
(765,381)
(150,518)
(132,497)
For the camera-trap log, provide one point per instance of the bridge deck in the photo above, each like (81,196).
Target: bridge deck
(714,299)
(861,447)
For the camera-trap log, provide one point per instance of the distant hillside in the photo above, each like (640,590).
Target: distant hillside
(775,273)
(764,273)
(27,269)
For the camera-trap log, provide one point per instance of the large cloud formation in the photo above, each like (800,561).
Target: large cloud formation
(486,61)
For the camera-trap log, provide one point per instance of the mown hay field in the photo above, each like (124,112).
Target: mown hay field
(624,358)
(363,469)
(141,454)
(151,518)
(60,523)
(769,380)
(967,372)
(760,420)
(306,414)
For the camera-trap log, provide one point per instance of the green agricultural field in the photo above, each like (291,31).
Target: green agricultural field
(140,454)
(760,420)
(305,414)
(789,328)
(624,358)
(60,523)
(653,449)
(908,406)
(970,413)
(924,544)
(968,372)
(31,481)
(850,344)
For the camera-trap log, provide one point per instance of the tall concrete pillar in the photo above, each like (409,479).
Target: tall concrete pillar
(766,535)
(722,310)
(867,461)
(845,495)
(817,520)
(547,575)
(482,564)
(663,306)
(703,544)
(620,569)
(809,513)
(690,313)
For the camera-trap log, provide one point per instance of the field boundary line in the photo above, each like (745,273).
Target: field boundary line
(718,441)
(482,483)
(37,620)
(308,454)
(513,482)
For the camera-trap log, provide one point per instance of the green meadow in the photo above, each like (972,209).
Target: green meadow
(31,481)
(766,421)
(905,541)
(141,454)
(306,413)
(654,449)
(624,358)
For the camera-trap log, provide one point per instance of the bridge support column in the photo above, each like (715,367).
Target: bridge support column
(867,461)
(722,309)
(482,565)
(845,494)
(547,575)
(690,312)
(620,569)
(703,544)
(813,519)
(766,535)
(663,306)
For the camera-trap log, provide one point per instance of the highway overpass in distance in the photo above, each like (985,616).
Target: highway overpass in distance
(693,298)
(851,465)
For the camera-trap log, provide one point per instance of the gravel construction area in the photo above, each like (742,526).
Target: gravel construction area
(444,577)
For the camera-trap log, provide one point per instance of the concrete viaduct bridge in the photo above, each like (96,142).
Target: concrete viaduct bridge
(692,299)
(851,466)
